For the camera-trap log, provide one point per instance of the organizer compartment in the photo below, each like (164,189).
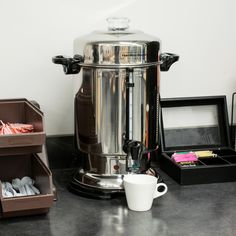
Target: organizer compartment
(21,111)
(224,152)
(17,167)
(230,159)
(214,161)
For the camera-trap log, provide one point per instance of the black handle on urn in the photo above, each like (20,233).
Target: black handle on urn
(167,60)
(70,65)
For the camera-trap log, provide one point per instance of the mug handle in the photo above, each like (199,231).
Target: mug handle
(157,193)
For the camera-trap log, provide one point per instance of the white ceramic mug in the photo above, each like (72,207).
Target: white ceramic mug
(140,190)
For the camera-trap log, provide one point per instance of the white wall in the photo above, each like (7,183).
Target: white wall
(202,32)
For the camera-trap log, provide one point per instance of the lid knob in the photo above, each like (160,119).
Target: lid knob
(118,23)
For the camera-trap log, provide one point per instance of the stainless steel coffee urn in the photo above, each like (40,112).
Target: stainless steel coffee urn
(117,105)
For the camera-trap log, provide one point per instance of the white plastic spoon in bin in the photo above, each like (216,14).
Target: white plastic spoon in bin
(16,183)
(29,182)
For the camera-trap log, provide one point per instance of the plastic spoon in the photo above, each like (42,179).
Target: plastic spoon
(27,181)
(9,189)
(16,183)
(5,192)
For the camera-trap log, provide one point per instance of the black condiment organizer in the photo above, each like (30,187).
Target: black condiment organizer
(214,137)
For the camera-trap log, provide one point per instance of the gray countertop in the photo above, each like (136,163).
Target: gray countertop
(208,209)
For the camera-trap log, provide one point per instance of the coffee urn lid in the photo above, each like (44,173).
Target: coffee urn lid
(118,46)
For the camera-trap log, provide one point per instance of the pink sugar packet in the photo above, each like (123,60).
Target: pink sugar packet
(184,157)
